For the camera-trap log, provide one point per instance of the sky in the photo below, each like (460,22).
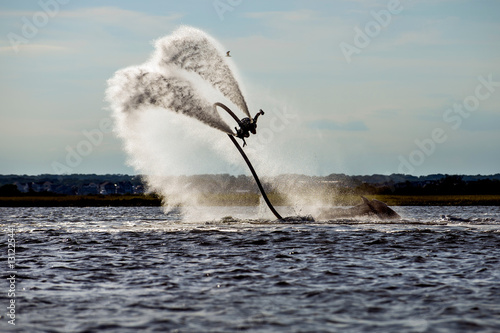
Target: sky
(356,87)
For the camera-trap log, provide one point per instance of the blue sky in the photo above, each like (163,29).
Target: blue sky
(386,108)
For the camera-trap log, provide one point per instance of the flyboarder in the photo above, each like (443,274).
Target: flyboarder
(248,126)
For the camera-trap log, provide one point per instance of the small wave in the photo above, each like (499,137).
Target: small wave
(474,220)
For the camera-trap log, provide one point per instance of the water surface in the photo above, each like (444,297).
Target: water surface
(137,269)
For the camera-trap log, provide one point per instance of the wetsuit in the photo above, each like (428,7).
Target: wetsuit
(247,126)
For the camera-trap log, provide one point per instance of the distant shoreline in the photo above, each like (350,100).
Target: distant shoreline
(241,199)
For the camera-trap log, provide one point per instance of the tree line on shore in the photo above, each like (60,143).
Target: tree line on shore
(395,184)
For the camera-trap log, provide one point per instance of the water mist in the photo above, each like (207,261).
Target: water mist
(162,108)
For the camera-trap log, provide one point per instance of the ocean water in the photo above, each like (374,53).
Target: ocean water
(117,269)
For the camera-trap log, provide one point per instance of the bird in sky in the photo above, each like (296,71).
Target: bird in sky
(227,54)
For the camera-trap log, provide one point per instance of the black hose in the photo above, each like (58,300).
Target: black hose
(278,216)
(228,110)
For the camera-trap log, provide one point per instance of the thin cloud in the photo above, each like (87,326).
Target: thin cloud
(330,125)
(104,16)
(114,16)
(302,15)
(35,48)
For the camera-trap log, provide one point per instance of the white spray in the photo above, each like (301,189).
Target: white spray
(186,74)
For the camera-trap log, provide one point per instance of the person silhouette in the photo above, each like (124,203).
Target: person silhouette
(248,126)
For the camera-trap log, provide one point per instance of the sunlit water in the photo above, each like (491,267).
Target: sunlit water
(140,270)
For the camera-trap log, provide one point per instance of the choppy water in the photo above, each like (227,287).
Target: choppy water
(139,270)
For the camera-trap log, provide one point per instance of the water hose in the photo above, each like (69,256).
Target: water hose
(231,137)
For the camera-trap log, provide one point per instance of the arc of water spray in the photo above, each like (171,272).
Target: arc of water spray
(165,81)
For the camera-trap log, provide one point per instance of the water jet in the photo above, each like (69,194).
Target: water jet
(189,75)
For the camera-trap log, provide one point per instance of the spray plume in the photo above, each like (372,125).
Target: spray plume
(164,80)
(150,103)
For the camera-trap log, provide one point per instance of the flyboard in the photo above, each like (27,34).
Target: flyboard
(247,126)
